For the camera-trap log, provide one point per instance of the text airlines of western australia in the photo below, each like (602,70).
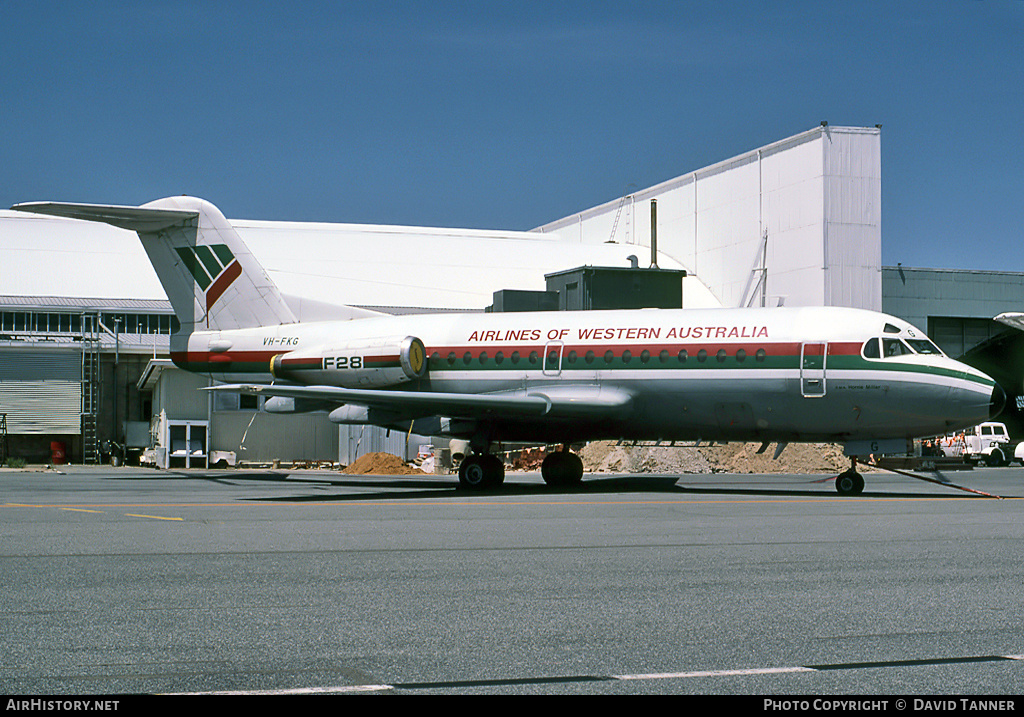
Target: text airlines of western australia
(630,333)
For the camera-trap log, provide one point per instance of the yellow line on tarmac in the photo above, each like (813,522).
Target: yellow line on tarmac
(154,517)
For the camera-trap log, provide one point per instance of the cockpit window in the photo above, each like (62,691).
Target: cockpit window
(924,346)
(871,349)
(895,347)
(890,329)
(886,347)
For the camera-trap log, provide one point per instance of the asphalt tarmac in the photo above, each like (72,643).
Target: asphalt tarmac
(127,580)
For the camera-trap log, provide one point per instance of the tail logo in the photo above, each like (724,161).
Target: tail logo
(213,267)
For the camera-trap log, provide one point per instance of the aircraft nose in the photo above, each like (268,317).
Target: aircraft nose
(998,401)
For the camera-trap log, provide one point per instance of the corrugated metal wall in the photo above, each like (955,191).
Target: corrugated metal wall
(41,391)
(356,441)
(259,437)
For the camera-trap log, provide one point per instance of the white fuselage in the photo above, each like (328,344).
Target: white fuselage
(722,374)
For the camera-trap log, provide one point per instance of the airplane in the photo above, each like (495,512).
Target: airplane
(864,379)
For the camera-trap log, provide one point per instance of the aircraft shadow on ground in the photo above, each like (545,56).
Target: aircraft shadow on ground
(377,488)
(382,488)
(411,488)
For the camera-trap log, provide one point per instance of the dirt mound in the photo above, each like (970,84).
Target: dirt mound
(795,458)
(381,464)
(606,456)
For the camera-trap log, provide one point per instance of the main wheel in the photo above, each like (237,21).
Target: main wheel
(480,472)
(561,469)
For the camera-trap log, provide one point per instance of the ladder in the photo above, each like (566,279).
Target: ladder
(90,388)
(618,213)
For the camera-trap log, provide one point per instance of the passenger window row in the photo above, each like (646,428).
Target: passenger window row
(590,357)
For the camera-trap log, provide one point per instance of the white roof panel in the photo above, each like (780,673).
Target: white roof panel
(353,264)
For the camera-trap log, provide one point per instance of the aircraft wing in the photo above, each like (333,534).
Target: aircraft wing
(583,402)
(1012,318)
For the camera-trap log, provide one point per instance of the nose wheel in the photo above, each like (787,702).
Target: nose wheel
(850,482)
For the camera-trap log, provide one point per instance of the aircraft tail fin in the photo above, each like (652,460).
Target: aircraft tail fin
(211,278)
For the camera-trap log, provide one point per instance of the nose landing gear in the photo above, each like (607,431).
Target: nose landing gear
(850,482)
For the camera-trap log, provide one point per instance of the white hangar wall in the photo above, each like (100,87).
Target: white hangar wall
(816,197)
(317,266)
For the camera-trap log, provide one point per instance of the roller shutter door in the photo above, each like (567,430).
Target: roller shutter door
(41,391)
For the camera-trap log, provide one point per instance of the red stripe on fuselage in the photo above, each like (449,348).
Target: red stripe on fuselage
(772,349)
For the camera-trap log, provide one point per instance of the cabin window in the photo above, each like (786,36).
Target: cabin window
(589,357)
(663,356)
(483,357)
(608,356)
(451,358)
(741,355)
(572,356)
(645,356)
(761,355)
(534,357)
(499,357)
(702,355)
(720,355)
(627,356)
(467,357)
(682,356)
(515,357)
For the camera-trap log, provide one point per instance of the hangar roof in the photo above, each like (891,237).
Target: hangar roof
(325,264)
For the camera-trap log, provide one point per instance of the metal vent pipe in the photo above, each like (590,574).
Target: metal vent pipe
(654,233)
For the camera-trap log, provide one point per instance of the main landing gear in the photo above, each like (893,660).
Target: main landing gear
(850,482)
(481,471)
(562,468)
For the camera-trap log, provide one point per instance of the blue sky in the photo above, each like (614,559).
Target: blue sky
(507,115)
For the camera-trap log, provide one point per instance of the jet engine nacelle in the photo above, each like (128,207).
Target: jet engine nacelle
(361,363)
(459,448)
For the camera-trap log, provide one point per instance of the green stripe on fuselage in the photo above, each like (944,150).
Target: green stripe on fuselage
(712,361)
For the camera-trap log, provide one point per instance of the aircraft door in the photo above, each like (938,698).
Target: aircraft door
(553,358)
(813,357)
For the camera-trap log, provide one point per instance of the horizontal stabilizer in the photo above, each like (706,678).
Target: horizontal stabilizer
(1011,318)
(138,219)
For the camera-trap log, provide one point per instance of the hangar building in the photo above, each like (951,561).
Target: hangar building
(84,323)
